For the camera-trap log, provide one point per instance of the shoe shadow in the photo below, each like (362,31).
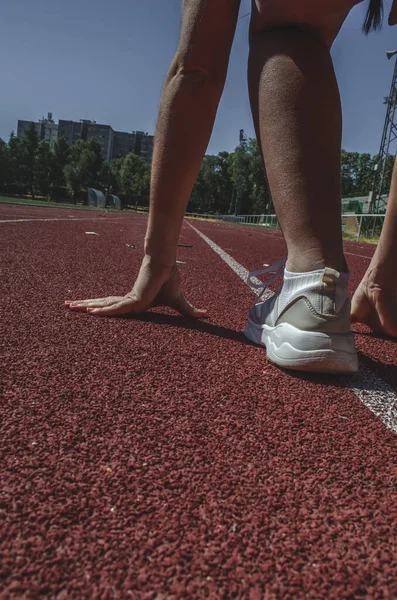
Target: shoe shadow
(374,335)
(377,373)
(371,376)
(202,325)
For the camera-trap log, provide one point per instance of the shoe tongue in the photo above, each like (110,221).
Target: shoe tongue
(330,276)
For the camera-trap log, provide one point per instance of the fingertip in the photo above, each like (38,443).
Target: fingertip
(200,313)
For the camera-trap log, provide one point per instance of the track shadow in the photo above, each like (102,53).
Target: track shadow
(382,372)
(374,335)
(387,372)
(196,325)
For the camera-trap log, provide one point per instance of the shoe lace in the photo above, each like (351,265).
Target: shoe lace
(257,285)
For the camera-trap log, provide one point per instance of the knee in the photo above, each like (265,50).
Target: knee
(198,73)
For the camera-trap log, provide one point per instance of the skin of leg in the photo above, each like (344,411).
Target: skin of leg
(296,110)
(191,94)
(375,300)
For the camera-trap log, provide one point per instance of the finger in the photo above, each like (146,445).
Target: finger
(118,308)
(186,309)
(82,301)
(95,303)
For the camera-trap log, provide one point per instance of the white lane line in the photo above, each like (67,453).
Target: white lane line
(360,255)
(70,219)
(233,264)
(376,395)
(370,389)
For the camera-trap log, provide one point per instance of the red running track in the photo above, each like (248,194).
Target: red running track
(158,458)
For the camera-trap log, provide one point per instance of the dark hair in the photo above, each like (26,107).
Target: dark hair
(374,16)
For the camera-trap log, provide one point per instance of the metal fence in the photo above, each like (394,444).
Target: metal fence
(354,226)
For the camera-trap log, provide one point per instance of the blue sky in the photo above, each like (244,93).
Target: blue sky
(106,61)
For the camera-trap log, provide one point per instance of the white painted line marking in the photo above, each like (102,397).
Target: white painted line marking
(376,395)
(360,255)
(233,264)
(373,391)
(69,220)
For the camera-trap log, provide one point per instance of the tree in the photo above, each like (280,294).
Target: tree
(43,168)
(15,153)
(365,174)
(259,194)
(73,180)
(61,158)
(135,176)
(5,166)
(357,172)
(30,146)
(85,165)
(107,179)
(115,166)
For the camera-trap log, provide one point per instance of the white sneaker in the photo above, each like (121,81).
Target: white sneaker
(306,325)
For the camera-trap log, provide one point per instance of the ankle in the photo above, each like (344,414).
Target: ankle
(313,259)
(306,266)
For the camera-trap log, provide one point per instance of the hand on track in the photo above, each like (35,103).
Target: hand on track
(375,304)
(156,285)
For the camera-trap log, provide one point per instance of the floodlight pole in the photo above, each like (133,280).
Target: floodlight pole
(378,203)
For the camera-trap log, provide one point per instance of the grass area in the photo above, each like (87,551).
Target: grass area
(49,204)
(214,220)
(352,237)
(45,203)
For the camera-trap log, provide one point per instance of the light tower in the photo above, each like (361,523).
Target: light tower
(378,201)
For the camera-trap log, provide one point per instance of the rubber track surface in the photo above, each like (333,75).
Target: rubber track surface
(160,458)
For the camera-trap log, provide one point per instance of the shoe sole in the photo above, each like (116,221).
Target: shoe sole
(292,348)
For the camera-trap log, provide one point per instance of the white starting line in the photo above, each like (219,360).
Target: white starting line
(370,389)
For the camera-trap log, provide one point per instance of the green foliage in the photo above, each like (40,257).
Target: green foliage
(43,168)
(16,171)
(84,167)
(30,164)
(357,171)
(5,165)
(73,179)
(232,180)
(134,176)
(30,146)
(61,158)
(239,177)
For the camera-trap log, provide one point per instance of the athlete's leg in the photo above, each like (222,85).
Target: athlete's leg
(191,94)
(296,109)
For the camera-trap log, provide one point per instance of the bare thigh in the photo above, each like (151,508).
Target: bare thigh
(323,18)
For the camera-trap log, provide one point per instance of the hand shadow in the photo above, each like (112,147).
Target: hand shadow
(202,325)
